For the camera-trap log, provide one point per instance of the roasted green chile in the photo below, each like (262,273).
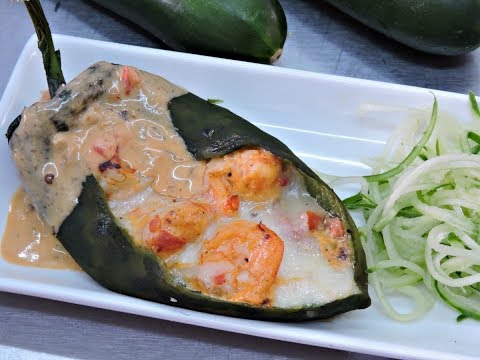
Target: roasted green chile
(106,251)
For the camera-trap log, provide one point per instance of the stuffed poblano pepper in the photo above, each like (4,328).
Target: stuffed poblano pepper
(161,195)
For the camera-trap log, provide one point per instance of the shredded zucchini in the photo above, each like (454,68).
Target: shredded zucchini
(474,103)
(422,212)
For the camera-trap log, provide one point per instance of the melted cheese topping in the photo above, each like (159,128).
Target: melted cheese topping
(242,227)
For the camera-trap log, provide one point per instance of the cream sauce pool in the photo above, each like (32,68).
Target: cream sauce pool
(113,122)
(28,241)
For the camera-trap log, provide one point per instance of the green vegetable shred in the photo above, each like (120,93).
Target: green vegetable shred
(422,232)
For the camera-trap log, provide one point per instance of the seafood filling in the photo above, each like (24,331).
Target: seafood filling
(241,227)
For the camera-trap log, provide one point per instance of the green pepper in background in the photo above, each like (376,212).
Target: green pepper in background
(441,27)
(253,30)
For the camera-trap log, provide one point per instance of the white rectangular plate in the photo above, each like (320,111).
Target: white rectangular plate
(333,123)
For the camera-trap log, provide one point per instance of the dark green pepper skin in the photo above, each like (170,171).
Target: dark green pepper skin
(109,255)
(253,30)
(442,27)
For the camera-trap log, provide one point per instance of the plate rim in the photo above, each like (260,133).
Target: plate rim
(58,293)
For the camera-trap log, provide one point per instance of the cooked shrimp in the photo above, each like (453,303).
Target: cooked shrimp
(182,222)
(241,262)
(250,174)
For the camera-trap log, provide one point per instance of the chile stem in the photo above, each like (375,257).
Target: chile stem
(51,57)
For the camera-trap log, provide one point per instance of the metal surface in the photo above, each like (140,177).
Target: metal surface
(320,39)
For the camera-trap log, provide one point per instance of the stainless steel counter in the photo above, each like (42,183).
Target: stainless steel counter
(320,39)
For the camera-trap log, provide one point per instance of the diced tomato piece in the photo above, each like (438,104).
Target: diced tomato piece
(126,80)
(130,79)
(99,149)
(45,95)
(219,279)
(168,242)
(313,219)
(283,181)
(116,157)
(232,203)
(336,228)
(155,224)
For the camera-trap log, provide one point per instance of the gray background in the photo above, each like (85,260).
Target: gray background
(320,39)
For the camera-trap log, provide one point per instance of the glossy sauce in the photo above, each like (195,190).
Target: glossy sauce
(53,138)
(28,241)
(113,122)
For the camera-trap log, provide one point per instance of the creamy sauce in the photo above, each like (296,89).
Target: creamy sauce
(42,148)
(113,122)
(28,241)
